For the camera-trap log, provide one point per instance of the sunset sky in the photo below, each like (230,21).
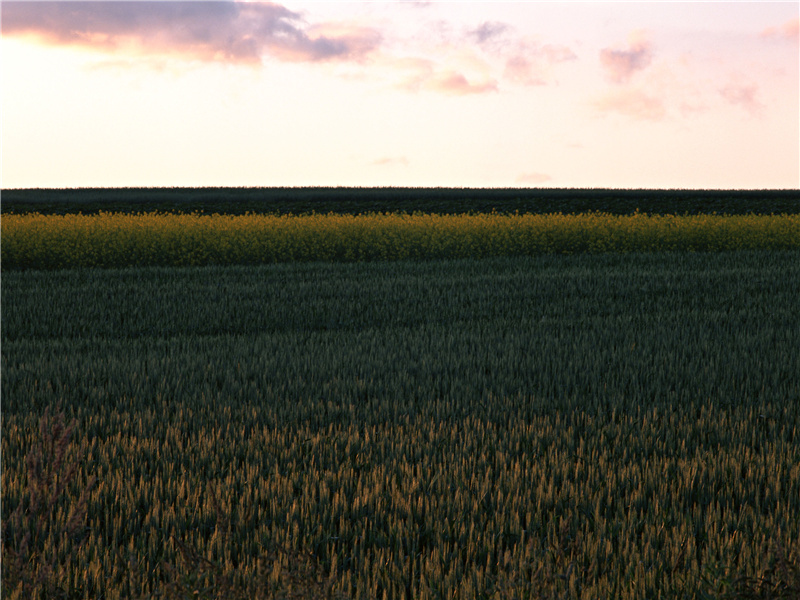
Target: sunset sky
(463,94)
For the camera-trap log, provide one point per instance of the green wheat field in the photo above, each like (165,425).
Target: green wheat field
(404,404)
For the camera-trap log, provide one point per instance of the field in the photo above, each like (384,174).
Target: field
(587,425)
(441,201)
(116,240)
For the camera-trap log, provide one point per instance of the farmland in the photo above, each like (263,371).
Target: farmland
(593,425)
(116,240)
(441,201)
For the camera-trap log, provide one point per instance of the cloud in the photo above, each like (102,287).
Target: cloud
(632,103)
(742,95)
(426,75)
(533,178)
(789,31)
(522,60)
(531,64)
(451,82)
(620,65)
(390,161)
(487,30)
(521,70)
(557,54)
(237,32)
(417,3)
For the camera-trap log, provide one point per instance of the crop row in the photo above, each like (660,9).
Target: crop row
(343,200)
(115,240)
(589,426)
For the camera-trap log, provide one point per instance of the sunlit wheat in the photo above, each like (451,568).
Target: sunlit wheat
(609,426)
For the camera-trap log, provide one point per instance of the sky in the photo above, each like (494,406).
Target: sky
(452,94)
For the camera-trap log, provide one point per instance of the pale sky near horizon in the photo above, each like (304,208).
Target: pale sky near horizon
(455,94)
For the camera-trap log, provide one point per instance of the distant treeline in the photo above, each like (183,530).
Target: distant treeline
(344,200)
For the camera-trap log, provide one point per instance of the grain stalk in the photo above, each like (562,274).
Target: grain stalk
(33,533)
(779,581)
(283,574)
(30,568)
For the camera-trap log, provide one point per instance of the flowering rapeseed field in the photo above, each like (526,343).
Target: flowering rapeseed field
(114,240)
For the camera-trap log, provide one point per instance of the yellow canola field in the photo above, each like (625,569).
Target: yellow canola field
(114,239)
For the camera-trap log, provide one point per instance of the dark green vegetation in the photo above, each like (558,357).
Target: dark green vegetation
(427,200)
(590,426)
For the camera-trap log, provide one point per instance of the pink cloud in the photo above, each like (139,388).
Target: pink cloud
(533,178)
(425,75)
(521,70)
(455,83)
(634,104)
(620,65)
(557,54)
(742,95)
(237,32)
(531,65)
(525,61)
(789,31)
(390,161)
